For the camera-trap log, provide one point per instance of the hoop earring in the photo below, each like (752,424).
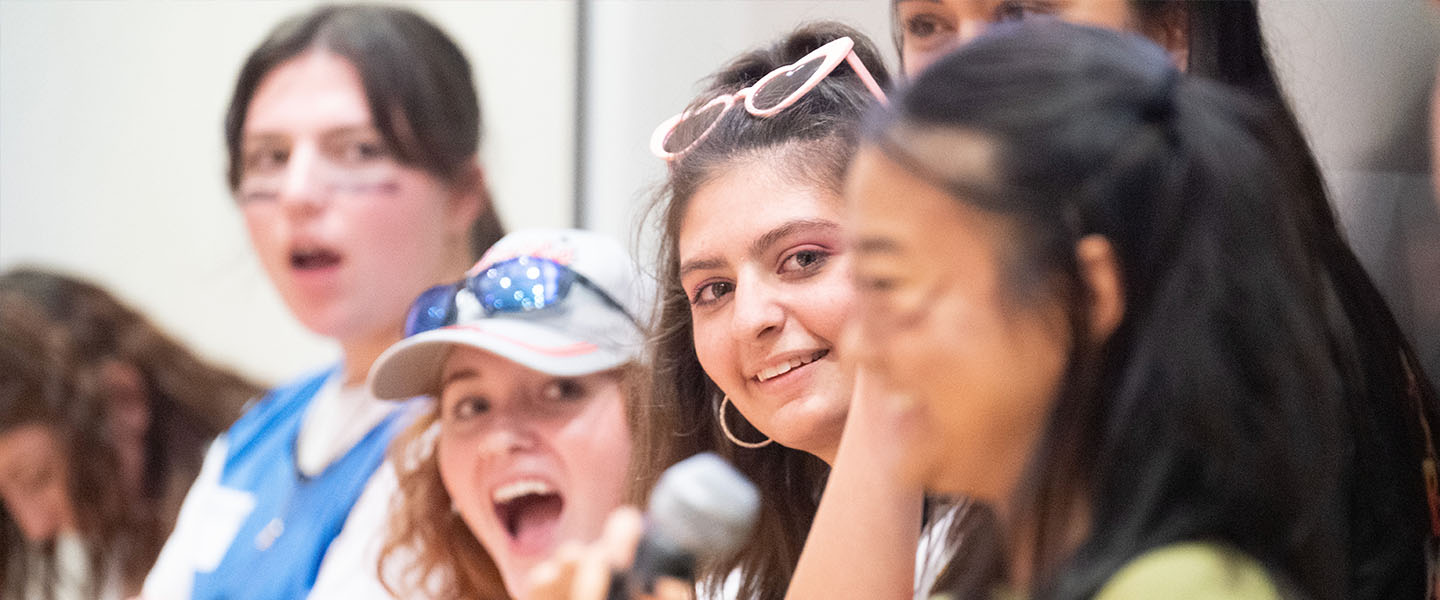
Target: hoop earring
(720,415)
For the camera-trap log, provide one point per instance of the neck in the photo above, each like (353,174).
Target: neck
(359,354)
(1024,539)
(827,453)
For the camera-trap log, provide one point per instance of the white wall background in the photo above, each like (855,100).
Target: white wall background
(645,62)
(112,154)
(112,157)
(1359,74)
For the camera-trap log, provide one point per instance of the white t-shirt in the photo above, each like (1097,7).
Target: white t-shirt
(72,573)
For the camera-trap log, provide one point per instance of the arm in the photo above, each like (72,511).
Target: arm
(862,544)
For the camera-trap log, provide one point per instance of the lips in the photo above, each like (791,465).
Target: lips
(313,258)
(787,365)
(529,510)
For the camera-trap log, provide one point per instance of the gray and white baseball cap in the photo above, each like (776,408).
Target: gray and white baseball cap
(565,302)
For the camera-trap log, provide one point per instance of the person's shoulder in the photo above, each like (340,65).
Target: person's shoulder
(1191,571)
(280,403)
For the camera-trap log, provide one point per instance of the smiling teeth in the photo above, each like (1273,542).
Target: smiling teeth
(527,487)
(786,367)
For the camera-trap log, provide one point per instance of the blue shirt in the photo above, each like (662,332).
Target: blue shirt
(279,546)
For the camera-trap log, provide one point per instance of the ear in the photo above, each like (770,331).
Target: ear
(1100,269)
(469,198)
(1172,32)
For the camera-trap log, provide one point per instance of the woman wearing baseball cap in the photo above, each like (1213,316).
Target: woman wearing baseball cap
(530,362)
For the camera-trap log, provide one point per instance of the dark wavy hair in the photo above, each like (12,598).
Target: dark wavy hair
(1249,396)
(417,81)
(57,334)
(816,137)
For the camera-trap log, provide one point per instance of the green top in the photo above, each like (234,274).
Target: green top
(1191,571)
(1184,571)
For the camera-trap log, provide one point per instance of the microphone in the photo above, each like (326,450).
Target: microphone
(701,508)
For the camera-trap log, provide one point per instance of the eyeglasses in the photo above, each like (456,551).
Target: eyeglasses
(517,285)
(346,162)
(773,93)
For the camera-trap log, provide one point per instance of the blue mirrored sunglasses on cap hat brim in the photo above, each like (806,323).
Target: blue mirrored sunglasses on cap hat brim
(518,285)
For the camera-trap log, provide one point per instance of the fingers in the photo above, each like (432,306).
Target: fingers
(614,552)
(554,578)
(622,534)
(579,572)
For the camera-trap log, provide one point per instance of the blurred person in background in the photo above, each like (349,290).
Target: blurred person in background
(1224,41)
(103,424)
(525,444)
(1096,287)
(352,136)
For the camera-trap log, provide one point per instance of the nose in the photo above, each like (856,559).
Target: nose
(505,437)
(301,189)
(969,28)
(758,309)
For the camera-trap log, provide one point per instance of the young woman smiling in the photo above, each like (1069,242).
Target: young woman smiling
(755,295)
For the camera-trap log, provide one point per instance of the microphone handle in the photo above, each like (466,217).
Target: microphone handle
(653,558)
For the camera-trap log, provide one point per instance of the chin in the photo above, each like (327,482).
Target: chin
(516,578)
(330,328)
(810,424)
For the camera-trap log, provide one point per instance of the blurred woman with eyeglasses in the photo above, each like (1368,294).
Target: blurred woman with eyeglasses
(352,136)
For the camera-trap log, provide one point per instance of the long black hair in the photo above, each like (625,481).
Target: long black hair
(1238,401)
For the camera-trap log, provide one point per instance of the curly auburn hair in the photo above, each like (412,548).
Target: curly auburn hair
(428,547)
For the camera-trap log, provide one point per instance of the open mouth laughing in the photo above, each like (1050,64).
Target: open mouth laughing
(529,510)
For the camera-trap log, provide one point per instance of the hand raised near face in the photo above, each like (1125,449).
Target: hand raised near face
(584,572)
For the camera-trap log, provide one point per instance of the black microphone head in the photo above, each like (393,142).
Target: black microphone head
(701,509)
(704,506)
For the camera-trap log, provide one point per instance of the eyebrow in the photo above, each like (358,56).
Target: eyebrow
(350,130)
(876,245)
(341,131)
(461,374)
(763,243)
(704,264)
(263,137)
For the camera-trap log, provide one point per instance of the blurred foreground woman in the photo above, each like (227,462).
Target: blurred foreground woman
(1073,269)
